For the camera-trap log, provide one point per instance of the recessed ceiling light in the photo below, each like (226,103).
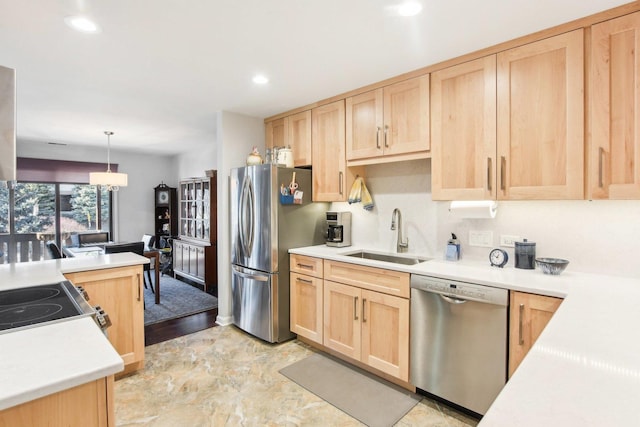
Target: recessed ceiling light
(410,8)
(260,79)
(82,24)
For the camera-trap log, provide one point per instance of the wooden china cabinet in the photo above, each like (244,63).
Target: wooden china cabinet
(195,252)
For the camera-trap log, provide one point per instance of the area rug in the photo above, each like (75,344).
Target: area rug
(177,299)
(363,396)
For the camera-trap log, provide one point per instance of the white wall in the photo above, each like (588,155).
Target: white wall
(395,185)
(134,203)
(595,236)
(234,136)
(237,134)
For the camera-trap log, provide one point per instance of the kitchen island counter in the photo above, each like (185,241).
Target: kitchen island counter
(583,369)
(42,360)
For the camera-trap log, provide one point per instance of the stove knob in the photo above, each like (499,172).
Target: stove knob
(102,318)
(84,293)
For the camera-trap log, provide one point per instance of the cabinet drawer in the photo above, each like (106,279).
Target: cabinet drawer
(376,279)
(306,265)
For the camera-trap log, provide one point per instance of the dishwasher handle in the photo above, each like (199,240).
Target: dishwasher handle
(452,300)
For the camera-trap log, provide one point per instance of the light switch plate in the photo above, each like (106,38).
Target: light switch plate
(482,238)
(509,241)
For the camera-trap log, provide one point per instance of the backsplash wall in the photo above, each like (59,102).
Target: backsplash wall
(595,236)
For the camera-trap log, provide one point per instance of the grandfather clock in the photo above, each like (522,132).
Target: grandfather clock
(166,212)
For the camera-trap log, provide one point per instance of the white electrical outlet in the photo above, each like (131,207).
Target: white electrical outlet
(481,238)
(509,241)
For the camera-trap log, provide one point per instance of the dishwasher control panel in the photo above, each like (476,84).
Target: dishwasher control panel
(461,290)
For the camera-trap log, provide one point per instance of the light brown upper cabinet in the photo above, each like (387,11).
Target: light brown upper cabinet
(540,129)
(463,131)
(299,130)
(389,123)
(276,133)
(614,93)
(331,179)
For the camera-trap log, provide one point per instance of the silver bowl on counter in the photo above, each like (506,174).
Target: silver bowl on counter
(553,266)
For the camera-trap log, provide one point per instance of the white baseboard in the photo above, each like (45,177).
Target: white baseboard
(224,320)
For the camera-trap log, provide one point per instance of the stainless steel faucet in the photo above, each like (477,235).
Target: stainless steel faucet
(402,245)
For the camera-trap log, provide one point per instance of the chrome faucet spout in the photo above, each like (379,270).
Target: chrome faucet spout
(402,245)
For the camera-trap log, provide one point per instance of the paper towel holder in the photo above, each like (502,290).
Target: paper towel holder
(474,209)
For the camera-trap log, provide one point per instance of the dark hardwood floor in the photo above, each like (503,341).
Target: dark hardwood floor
(173,328)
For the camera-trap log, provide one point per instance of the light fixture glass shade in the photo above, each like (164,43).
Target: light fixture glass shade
(112,180)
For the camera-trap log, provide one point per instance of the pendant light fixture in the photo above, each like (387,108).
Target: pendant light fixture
(112,180)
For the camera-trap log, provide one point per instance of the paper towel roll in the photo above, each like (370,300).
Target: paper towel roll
(473,209)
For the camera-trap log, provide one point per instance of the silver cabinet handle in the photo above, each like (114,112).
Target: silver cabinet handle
(364,302)
(340,176)
(307,266)
(520,326)
(386,128)
(489,174)
(355,308)
(300,279)
(503,166)
(601,167)
(378,137)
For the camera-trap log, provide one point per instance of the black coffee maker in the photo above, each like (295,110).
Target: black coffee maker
(338,231)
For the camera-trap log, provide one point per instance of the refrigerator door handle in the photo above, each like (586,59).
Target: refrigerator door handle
(246,216)
(250,276)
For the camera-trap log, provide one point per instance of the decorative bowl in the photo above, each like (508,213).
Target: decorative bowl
(553,266)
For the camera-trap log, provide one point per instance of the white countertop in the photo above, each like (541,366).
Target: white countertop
(42,360)
(584,370)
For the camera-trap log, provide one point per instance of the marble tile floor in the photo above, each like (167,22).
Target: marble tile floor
(224,377)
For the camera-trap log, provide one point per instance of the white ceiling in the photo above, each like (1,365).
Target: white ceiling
(161,69)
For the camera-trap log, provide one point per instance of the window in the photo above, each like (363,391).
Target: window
(33,213)
(51,200)
(83,207)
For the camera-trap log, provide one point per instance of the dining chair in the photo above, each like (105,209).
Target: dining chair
(149,242)
(54,250)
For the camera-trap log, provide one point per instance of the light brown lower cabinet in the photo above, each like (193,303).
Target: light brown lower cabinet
(89,404)
(305,283)
(529,315)
(119,292)
(368,326)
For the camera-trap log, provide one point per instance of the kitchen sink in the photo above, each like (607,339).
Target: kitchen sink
(396,259)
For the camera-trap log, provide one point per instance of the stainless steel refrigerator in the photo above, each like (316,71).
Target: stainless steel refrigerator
(264,227)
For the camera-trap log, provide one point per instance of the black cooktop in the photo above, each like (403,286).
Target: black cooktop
(38,304)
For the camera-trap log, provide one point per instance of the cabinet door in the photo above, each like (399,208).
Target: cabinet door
(614,163)
(385,333)
(342,330)
(529,314)
(364,125)
(193,260)
(276,133)
(406,116)
(306,306)
(200,262)
(89,404)
(328,146)
(119,292)
(463,131)
(299,129)
(177,256)
(541,119)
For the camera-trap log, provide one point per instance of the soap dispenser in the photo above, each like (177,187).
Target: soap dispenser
(453,249)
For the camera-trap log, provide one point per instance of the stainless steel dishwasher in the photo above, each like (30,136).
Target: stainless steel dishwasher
(458,340)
